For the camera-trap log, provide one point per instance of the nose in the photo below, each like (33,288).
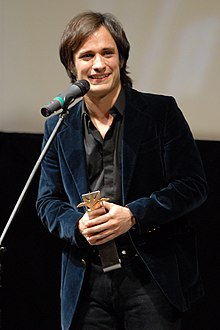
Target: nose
(98,62)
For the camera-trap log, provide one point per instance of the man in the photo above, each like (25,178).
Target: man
(138,151)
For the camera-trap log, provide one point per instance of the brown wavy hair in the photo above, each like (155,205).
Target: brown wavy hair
(80,28)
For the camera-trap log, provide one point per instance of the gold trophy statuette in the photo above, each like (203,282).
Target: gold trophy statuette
(108,251)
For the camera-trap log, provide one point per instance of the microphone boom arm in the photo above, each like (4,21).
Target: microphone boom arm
(27,185)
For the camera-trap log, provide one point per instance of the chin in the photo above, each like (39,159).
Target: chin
(99,88)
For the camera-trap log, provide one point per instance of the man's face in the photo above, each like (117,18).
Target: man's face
(97,61)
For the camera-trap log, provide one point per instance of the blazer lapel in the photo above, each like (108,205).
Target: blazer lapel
(130,144)
(72,145)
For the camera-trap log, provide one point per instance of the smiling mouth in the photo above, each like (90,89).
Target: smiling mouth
(100,76)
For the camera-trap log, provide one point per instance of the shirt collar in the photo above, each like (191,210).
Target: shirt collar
(119,104)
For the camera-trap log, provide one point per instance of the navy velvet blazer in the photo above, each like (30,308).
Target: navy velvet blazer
(162,181)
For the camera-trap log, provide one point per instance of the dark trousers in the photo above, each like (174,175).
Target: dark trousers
(124,299)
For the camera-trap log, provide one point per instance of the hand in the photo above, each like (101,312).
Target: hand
(104,224)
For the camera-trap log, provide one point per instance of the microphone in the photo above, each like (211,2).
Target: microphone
(63,100)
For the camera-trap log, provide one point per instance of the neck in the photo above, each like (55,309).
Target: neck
(99,106)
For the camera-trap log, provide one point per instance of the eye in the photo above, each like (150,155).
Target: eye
(108,53)
(86,56)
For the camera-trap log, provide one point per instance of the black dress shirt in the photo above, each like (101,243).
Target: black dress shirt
(103,155)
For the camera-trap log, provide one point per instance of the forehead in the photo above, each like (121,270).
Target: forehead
(100,39)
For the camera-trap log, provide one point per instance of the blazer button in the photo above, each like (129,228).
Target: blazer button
(83,262)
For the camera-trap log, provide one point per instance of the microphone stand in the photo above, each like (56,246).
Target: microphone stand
(20,200)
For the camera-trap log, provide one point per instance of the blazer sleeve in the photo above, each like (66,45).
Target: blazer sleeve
(186,187)
(57,212)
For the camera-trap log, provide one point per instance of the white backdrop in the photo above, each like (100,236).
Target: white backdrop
(175,50)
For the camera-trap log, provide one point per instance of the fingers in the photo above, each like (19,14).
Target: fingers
(92,224)
(100,239)
(106,223)
(96,213)
(107,205)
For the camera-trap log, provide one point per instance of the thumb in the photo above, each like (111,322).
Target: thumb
(107,205)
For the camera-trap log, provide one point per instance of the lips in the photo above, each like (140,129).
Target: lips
(100,76)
